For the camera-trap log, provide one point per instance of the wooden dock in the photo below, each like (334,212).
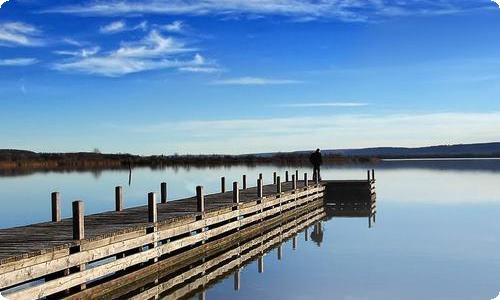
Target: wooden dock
(79,256)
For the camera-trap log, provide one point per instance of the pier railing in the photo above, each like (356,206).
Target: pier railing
(112,247)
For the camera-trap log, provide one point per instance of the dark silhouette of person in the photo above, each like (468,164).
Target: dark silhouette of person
(316,160)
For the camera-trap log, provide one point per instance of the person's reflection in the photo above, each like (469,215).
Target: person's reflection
(317,234)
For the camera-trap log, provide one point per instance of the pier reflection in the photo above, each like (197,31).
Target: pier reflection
(190,277)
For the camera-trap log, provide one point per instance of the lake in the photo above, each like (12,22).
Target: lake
(437,233)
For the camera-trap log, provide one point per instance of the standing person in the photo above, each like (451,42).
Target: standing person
(316,160)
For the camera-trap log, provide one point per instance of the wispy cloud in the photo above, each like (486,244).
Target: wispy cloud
(84,52)
(305,10)
(155,51)
(193,69)
(113,27)
(324,131)
(176,26)
(255,81)
(18,62)
(324,104)
(19,34)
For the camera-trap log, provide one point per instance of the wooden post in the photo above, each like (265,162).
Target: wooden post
(261,264)
(373,174)
(200,199)
(278,185)
(259,188)
(286,176)
(56,207)
(118,198)
(236,193)
(297,174)
(306,182)
(152,209)
(274,177)
(223,184)
(294,182)
(163,192)
(237,281)
(368,173)
(244,182)
(78,220)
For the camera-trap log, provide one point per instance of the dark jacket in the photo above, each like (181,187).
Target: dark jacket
(316,159)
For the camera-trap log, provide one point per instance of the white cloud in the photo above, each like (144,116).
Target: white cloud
(19,34)
(255,81)
(113,27)
(2,2)
(153,52)
(324,104)
(18,62)
(84,52)
(304,10)
(326,131)
(176,26)
(201,69)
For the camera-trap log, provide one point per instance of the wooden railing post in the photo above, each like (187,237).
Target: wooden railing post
(294,182)
(200,199)
(118,198)
(78,220)
(223,184)
(152,208)
(56,207)
(163,192)
(297,174)
(244,182)
(278,185)
(306,182)
(274,177)
(373,174)
(259,188)
(236,193)
(286,176)
(368,175)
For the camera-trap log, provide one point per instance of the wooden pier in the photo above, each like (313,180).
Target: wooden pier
(79,257)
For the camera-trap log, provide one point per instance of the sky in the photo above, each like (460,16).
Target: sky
(235,76)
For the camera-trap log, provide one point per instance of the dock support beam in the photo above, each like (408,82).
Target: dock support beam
(118,198)
(56,207)
(163,192)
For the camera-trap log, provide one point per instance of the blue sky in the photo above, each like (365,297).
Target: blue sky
(240,76)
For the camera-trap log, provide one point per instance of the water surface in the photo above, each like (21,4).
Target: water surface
(437,233)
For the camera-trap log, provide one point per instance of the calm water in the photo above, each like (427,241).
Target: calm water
(437,234)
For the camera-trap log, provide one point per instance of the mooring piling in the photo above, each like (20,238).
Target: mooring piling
(118,198)
(56,206)
(163,192)
(78,220)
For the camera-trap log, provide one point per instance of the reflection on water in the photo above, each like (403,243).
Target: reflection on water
(437,234)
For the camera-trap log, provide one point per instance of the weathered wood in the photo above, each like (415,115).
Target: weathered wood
(118,198)
(306,182)
(223,184)
(286,176)
(78,220)
(373,174)
(274,177)
(259,188)
(152,208)
(236,193)
(56,206)
(244,179)
(163,191)
(200,199)
(294,182)
(278,185)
